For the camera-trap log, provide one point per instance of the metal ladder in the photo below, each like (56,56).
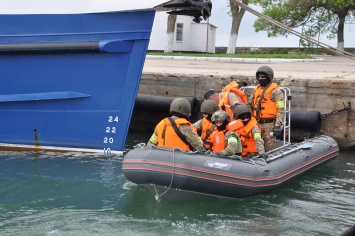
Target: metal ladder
(286,140)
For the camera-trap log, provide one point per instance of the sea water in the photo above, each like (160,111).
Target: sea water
(76,194)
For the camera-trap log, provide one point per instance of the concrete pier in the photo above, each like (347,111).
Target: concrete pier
(325,84)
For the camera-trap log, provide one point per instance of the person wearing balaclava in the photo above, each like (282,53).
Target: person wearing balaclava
(224,142)
(249,132)
(268,106)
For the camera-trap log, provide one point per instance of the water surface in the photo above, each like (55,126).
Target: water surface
(74,194)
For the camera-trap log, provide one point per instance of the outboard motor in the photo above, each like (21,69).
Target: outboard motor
(199,9)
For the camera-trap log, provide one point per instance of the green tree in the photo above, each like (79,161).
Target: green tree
(237,15)
(324,16)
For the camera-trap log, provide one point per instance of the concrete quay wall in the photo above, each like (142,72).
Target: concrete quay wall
(325,85)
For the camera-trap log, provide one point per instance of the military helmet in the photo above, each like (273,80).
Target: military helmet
(181,106)
(209,107)
(241,110)
(208,93)
(220,116)
(267,70)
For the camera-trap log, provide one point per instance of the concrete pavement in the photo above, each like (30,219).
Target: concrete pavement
(325,67)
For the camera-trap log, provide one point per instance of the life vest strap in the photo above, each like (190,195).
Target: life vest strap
(178,132)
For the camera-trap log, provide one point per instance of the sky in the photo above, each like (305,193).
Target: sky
(247,37)
(220,18)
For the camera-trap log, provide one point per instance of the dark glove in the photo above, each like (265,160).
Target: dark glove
(278,131)
(265,156)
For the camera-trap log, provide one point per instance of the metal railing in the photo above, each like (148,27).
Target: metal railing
(286,139)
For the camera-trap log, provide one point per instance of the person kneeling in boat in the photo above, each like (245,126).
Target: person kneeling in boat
(224,142)
(176,131)
(249,132)
(204,126)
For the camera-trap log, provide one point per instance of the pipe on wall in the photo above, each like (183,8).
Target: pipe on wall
(151,103)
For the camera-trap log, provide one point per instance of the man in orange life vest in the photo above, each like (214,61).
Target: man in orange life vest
(230,97)
(204,126)
(224,142)
(176,131)
(249,132)
(268,106)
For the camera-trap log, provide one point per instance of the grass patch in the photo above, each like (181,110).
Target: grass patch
(240,55)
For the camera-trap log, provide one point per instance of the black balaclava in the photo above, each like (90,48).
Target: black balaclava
(265,81)
(223,126)
(242,116)
(246,122)
(208,117)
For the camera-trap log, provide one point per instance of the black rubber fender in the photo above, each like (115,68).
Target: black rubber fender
(349,232)
(151,103)
(307,120)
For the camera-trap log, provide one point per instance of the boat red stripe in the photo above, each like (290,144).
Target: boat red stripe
(225,180)
(311,163)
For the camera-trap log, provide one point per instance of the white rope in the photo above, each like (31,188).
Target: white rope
(157,197)
(305,37)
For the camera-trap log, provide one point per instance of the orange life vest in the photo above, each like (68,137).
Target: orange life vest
(167,136)
(268,108)
(235,125)
(207,129)
(247,138)
(224,101)
(218,143)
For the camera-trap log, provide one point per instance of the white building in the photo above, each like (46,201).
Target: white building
(189,36)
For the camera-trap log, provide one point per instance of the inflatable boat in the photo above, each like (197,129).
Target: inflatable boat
(169,173)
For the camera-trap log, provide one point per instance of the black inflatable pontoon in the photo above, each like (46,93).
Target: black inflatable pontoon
(172,175)
(168,172)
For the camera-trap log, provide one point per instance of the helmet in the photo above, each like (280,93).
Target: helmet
(209,107)
(181,106)
(220,116)
(267,70)
(240,110)
(208,93)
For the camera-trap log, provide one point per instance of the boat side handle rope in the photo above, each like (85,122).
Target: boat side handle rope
(157,197)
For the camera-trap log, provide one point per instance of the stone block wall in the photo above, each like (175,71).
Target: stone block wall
(324,96)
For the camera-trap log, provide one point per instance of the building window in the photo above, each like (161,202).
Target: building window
(179,31)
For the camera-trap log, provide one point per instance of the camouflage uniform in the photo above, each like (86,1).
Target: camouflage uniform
(191,136)
(269,141)
(198,124)
(259,142)
(233,145)
(181,107)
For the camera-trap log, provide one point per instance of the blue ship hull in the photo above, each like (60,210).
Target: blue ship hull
(69,81)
